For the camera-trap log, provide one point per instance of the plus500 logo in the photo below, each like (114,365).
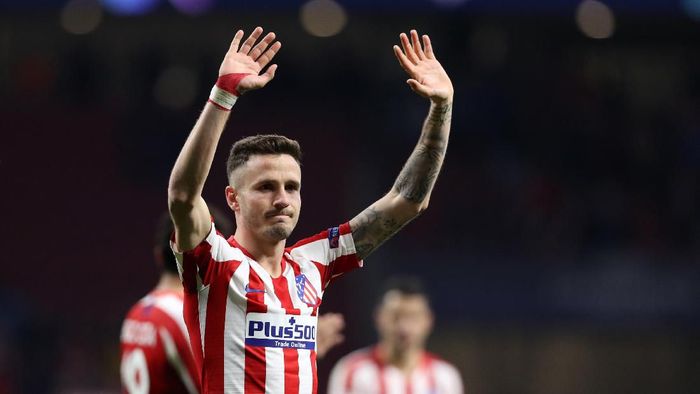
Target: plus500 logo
(293,331)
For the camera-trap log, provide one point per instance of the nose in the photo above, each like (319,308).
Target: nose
(281,200)
(403,327)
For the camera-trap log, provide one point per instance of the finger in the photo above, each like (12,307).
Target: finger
(403,60)
(419,88)
(428,47)
(415,42)
(407,49)
(262,45)
(236,40)
(269,74)
(265,58)
(259,81)
(248,44)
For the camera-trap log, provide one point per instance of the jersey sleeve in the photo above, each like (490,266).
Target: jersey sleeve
(332,251)
(197,266)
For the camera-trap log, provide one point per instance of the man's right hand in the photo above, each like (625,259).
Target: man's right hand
(251,58)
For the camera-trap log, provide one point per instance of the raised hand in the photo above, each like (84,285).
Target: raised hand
(249,57)
(427,77)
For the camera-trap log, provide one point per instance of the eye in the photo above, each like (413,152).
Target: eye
(265,187)
(292,187)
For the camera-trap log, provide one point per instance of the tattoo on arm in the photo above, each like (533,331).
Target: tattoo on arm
(372,229)
(375,225)
(418,176)
(440,115)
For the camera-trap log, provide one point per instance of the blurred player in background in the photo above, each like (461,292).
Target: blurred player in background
(399,362)
(156,355)
(155,350)
(251,301)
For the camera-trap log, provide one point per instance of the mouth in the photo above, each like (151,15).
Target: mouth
(277,215)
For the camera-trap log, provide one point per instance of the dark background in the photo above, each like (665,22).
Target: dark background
(562,244)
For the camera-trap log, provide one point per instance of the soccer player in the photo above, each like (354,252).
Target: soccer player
(156,355)
(399,362)
(251,301)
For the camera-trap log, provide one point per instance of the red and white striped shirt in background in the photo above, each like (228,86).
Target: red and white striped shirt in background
(252,333)
(156,356)
(363,372)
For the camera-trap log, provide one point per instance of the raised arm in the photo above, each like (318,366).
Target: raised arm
(240,72)
(410,193)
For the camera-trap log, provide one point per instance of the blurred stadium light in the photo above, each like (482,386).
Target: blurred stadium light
(136,7)
(130,7)
(692,7)
(81,16)
(323,18)
(595,19)
(192,7)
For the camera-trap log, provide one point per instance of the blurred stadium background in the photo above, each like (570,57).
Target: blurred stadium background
(562,246)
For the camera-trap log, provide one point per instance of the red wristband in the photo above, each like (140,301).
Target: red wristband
(229,82)
(225,92)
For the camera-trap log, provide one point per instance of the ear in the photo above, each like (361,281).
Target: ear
(232,199)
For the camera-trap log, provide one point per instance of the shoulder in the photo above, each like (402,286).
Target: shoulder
(441,367)
(320,244)
(356,358)
(170,302)
(216,247)
(161,308)
(140,308)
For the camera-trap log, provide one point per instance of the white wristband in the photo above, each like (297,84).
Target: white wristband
(222,98)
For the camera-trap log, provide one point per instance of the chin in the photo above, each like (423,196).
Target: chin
(278,233)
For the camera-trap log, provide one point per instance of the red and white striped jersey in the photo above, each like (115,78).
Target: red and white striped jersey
(363,372)
(252,333)
(156,356)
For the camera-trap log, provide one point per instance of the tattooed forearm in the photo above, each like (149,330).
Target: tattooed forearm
(418,176)
(439,115)
(371,228)
(412,188)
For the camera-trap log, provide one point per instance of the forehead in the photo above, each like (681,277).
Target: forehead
(395,301)
(280,167)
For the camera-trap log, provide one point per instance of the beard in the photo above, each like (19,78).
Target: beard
(278,232)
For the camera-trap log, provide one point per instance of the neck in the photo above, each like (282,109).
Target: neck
(405,360)
(267,254)
(169,281)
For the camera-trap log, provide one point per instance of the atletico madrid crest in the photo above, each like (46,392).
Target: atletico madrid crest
(306,291)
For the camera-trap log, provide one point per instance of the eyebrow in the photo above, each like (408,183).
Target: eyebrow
(270,180)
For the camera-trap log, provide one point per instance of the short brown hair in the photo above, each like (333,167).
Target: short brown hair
(267,144)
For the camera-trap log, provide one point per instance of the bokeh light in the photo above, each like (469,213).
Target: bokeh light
(595,19)
(323,18)
(192,7)
(692,8)
(130,7)
(81,16)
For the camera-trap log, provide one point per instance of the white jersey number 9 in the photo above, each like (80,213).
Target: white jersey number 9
(134,372)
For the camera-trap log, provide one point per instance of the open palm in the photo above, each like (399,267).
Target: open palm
(427,77)
(251,58)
